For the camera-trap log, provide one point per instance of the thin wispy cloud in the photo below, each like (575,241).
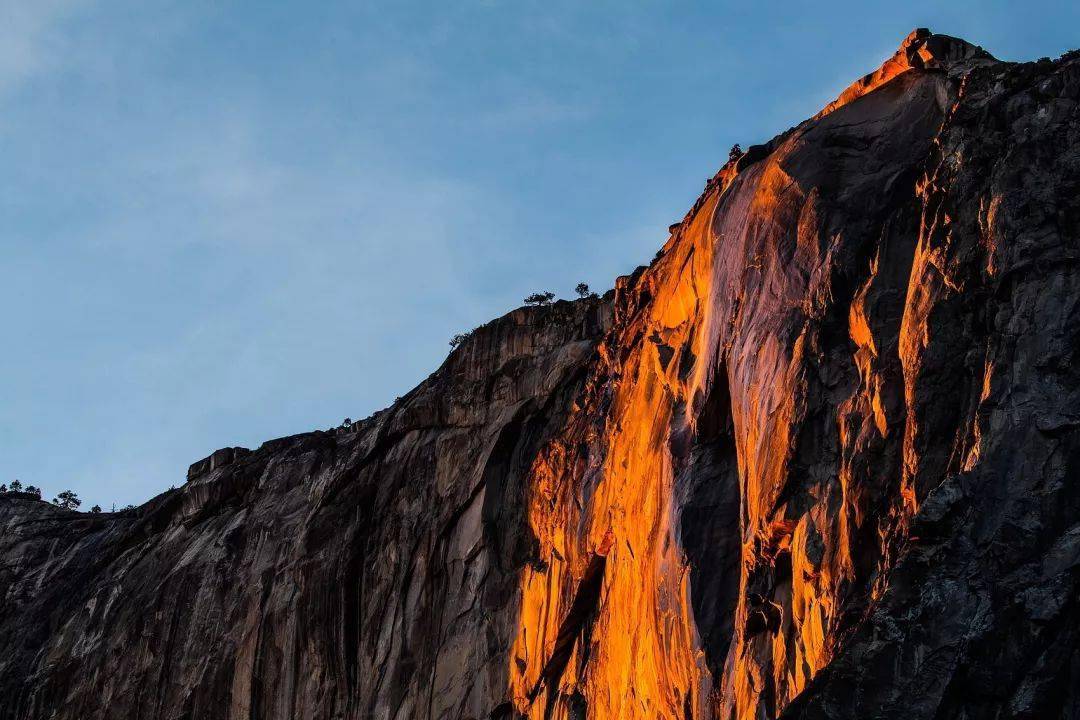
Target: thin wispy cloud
(33,39)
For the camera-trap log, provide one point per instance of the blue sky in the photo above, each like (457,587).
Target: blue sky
(226,222)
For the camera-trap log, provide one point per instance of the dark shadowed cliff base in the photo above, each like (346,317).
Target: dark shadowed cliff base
(820,459)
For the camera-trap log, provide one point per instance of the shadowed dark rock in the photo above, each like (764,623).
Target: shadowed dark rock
(818,460)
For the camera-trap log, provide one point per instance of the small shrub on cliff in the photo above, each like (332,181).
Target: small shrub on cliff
(735,153)
(96,509)
(583,291)
(460,338)
(67,500)
(540,299)
(17,487)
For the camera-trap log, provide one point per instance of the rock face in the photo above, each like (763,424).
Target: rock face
(818,460)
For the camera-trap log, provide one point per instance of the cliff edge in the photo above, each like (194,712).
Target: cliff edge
(818,460)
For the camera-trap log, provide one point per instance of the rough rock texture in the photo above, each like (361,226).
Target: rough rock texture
(818,460)
(366,573)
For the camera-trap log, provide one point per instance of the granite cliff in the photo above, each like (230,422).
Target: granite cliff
(818,460)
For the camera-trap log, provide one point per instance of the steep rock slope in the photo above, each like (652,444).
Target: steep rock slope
(353,573)
(817,461)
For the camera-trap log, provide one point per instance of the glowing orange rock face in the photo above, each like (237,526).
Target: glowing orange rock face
(788,310)
(641,658)
(817,462)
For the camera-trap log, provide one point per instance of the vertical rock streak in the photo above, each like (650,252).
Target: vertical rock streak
(817,461)
(807,284)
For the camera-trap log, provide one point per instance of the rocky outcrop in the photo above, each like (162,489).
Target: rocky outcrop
(217,459)
(360,573)
(816,461)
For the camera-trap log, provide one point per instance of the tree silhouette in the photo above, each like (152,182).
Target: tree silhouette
(460,338)
(540,299)
(67,500)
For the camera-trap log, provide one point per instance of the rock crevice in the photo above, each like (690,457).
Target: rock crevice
(816,461)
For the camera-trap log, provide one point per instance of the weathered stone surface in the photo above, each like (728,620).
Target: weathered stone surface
(817,461)
(215,460)
(356,574)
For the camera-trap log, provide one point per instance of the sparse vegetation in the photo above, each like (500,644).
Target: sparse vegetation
(735,153)
(583,291)
(17,487)
(540,299)
(346,424)
(67,500)
(460,338)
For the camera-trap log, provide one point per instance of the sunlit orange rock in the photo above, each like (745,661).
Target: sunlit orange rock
(805,289)
(818,460)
